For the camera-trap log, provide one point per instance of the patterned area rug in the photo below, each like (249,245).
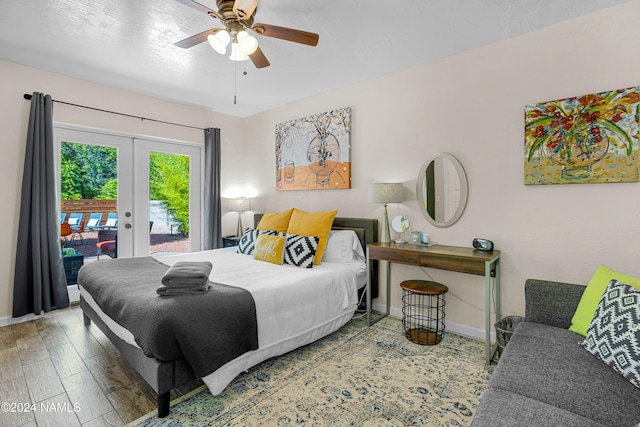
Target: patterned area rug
(357,376)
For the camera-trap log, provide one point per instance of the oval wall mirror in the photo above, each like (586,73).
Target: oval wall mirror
(441,190)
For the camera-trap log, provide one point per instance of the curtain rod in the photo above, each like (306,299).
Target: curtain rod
(28,97)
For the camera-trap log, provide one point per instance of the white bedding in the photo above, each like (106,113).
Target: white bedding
(294,306)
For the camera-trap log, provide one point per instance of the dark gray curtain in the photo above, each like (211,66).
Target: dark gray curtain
(39,280)
(212,236)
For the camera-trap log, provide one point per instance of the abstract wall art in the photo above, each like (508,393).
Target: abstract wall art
(587,139)
(313,152)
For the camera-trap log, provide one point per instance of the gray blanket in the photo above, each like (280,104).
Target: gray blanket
(206,330)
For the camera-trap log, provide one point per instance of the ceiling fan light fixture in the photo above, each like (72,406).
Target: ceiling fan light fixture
(236,55)
(247,44)
(219,41)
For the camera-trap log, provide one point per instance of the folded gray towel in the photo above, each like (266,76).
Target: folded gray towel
(187,273)
(164,291)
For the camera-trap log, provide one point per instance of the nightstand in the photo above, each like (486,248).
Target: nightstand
(230,241)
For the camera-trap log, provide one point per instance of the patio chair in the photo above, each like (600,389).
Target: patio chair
(112,219)
(74,219)
(65,231)
(94,221)
(77,232)
(107,243)
(63,216)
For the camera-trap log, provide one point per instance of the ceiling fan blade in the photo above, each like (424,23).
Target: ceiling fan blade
(196,39)
(258,59)
(290,34)
(245,8)
(200,7)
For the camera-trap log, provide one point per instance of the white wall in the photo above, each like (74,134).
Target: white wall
(16,80)
(469,105)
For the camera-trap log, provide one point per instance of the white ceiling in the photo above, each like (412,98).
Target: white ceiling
(128,44)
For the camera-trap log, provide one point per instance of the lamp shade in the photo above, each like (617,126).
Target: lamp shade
(241,204)
(236,55)
(246,44)
(219,41)
(385,193)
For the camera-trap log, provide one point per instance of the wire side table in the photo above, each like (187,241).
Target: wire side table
(423,311)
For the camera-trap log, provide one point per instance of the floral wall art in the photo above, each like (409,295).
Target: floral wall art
(587,139)
(313,152)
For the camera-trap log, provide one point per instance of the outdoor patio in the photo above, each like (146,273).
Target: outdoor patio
(159,243)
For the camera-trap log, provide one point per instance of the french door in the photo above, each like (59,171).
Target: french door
(133,171)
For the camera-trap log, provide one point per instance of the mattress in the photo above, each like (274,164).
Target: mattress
(294,306)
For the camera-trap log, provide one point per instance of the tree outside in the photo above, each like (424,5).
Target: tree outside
(90,172)
(169,183)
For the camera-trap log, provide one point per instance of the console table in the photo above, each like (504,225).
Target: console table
(453,258)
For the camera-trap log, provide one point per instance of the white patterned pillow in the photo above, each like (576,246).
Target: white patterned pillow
(614,333)
(247,243)
(300,250)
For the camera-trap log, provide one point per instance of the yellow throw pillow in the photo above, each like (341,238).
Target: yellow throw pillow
(278,221)
(269,248)
(312,224)
(591,297)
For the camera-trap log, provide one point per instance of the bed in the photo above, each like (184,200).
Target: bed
(303,307)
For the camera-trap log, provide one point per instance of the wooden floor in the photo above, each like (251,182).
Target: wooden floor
(54,371)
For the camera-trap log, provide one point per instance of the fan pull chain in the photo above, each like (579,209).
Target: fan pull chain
(235,80)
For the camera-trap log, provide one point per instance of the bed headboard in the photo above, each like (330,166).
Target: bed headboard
(367,231)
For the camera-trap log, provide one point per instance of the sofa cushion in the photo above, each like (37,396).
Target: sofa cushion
(591,297)
(548,364)
(614,333)
(502,408)
(551,303)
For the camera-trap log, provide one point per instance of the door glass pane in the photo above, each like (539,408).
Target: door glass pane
(88,198)
(168,203)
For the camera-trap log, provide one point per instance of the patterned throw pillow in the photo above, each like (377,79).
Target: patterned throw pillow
(614,331)
(269,248)
(300,250)
(247,242)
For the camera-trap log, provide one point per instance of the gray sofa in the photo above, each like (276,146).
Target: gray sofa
(546,378)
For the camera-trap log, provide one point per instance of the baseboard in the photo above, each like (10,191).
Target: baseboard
(8,320)
(74,298)
(456,328)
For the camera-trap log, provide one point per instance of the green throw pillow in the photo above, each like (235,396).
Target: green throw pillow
(591,297)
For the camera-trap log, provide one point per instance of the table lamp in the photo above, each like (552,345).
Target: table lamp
(240,205)
(385,193)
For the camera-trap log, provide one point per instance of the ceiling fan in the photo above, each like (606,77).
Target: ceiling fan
(237,17)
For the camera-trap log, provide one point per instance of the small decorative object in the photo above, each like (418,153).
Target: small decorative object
(313,152)
(400,224)
(415,236)
(483,244)
(385,193)
(587,139)
(424,237)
